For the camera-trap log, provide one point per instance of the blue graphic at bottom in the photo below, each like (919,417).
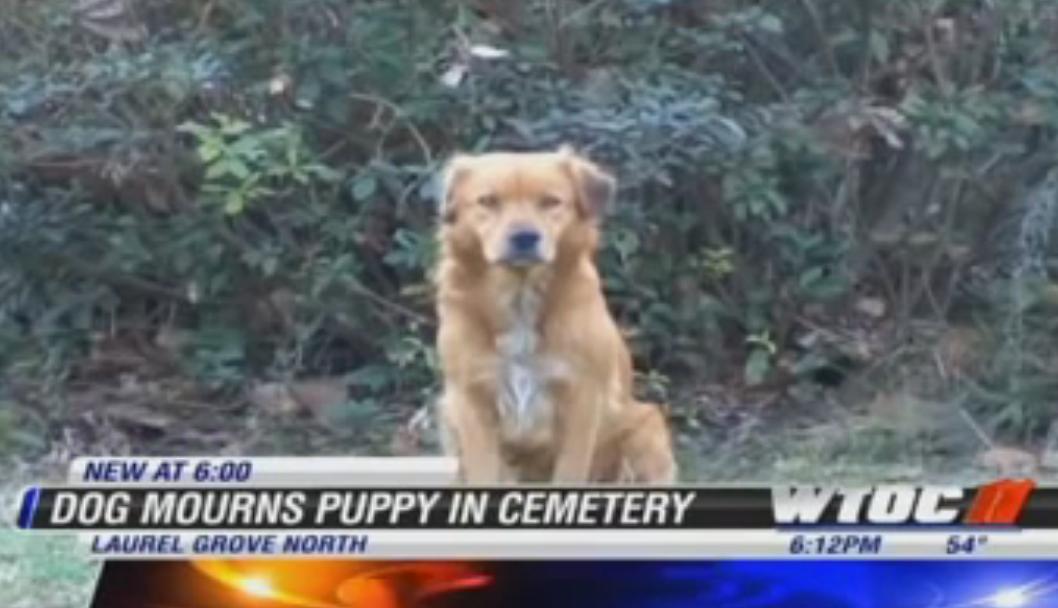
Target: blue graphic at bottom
(791,584)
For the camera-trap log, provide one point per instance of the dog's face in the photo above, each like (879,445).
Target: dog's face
(519,207)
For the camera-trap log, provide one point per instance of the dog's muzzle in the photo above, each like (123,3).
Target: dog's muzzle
(523,247)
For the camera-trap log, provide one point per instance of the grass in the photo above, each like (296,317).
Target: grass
(898,438)
(41,571)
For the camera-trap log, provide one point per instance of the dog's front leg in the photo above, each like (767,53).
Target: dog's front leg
(471,418)
(578,430)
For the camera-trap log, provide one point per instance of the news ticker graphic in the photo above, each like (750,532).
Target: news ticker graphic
(166,508)
(256,508)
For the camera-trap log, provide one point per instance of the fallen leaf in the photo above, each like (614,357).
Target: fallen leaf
(454,75)
(115,20)
(484,51)
(274,398)
(960,349)
(945,31)
(140,416)
(318,394)
(872,307)
(280,84)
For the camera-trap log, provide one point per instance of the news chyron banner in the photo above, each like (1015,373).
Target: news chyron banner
(411,509)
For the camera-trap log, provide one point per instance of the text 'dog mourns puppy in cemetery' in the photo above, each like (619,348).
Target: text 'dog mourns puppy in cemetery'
(537,377)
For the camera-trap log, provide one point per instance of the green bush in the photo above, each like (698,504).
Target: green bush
(260,176)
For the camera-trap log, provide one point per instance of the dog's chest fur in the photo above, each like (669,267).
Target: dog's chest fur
(525,373)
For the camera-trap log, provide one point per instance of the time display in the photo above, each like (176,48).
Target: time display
(836,544)
(228,471)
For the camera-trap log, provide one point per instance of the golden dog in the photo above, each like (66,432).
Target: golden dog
(537,378)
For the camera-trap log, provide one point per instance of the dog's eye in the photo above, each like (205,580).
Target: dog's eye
(489,201)
(550,202)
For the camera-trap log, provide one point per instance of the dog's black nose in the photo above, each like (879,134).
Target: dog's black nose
(524,241)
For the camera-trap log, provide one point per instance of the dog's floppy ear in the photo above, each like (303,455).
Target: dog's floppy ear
(595,187)
(455,170)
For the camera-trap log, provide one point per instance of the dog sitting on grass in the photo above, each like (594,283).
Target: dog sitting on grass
(537,377)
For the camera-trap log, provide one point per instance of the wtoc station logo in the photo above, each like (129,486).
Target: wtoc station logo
(999,503)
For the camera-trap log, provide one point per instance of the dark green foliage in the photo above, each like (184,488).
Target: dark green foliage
(259,175)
